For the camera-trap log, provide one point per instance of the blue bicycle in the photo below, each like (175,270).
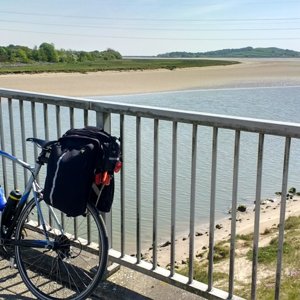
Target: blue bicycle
(58,257)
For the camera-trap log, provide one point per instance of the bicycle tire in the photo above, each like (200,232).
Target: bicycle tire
(72,272)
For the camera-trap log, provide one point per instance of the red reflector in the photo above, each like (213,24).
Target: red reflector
(118,166)
(98,178)
(102,178)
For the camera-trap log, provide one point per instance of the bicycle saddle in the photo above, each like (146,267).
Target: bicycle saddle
(41,143)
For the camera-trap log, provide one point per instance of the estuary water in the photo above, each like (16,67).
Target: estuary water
(271,103)
(280,103)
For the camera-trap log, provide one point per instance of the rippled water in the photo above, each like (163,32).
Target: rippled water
(273,103)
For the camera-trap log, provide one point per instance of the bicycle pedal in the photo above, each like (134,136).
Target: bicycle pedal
(12,263)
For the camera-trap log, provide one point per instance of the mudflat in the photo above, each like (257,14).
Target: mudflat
(250,72)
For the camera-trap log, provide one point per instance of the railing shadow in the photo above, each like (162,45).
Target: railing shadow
(109,290)
(12,287)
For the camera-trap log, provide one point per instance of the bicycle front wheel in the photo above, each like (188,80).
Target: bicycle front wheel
(75,266)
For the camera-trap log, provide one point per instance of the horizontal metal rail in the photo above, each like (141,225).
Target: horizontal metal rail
(221,121)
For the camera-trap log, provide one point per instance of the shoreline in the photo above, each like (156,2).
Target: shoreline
(249,73)
(269,218)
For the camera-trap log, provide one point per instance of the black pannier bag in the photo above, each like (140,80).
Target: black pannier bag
(80,169)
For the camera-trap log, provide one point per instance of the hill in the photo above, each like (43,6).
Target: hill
(241,52)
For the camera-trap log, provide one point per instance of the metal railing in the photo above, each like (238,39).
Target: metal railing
(25,114)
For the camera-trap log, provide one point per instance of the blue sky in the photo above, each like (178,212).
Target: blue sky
(150,27)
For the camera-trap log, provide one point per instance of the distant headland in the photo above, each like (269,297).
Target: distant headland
(270,52)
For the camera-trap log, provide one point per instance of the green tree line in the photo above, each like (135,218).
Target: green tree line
(46,52)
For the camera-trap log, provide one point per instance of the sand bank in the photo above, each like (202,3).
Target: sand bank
(248,73)
(269,218)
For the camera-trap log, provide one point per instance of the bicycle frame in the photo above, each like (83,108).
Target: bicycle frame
(34,171)
(31,185)
(43,241)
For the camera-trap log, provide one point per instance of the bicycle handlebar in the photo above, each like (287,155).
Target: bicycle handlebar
(41,143)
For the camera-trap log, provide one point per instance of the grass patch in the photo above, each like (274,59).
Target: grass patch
(291,245)
(201,273)
(290,280)
(292,223)
(268,254)
(107,65)
(267,258)
(267,231)
(221,251)
(289,288)
(245,237)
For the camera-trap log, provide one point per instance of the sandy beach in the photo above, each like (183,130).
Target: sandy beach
(251,72)
(269,218)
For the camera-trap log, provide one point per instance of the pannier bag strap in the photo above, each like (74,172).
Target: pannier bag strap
(102,178)
(98,191)
(55,177)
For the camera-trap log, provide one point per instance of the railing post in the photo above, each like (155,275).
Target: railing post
(34,126)
(103,120)
(282,216)
(12,140)
(2,145)
(257,215)
(192,204)
(23,137)
(173,201)
(155,192)
(212,208)
(138,189)
(122,187)
(233,211)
